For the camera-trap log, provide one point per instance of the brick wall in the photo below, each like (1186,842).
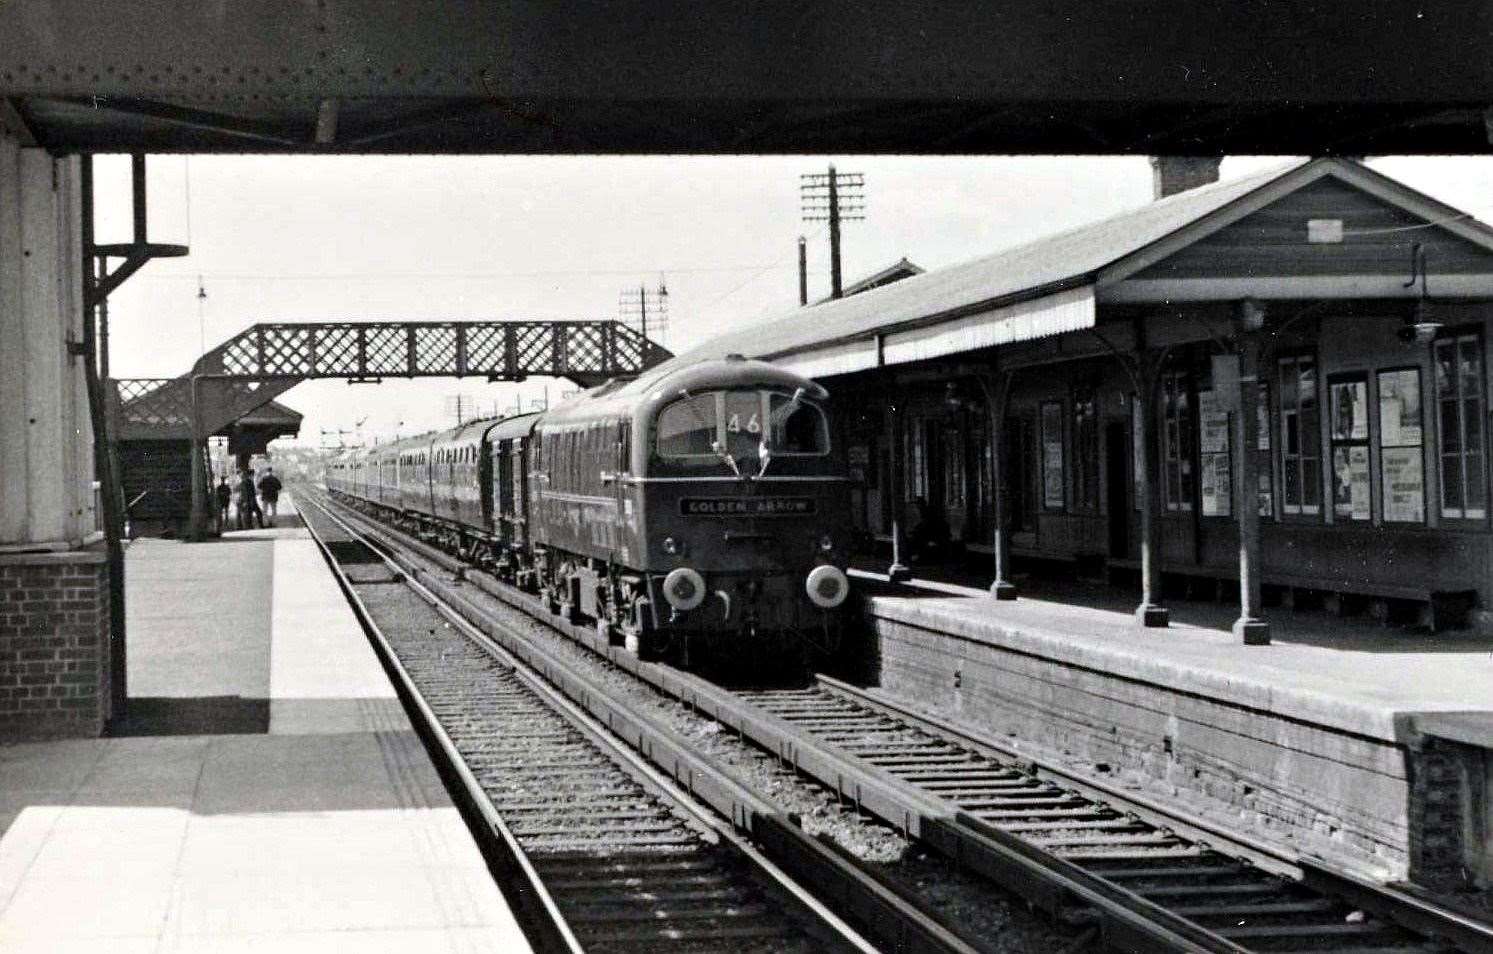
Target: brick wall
(54,645)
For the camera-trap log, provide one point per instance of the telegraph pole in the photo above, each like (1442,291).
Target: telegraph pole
(803,271)
(834,197)
(637,305)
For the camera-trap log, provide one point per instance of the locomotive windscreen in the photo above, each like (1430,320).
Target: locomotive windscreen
(690,428)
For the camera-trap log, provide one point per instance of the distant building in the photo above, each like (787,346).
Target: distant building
(898,270)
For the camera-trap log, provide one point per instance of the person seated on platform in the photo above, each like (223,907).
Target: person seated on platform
(928,539)
(248,503)
(224,494)
(269,493)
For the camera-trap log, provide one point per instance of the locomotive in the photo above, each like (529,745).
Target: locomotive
(698,502)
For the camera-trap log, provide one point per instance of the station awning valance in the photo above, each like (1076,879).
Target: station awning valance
(1071,309)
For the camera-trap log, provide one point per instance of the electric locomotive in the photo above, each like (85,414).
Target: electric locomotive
(702,502)
(698,501)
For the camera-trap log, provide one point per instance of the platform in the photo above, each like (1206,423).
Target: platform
(267,794)
(1343,738)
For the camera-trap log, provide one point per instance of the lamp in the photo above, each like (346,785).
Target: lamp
(1249,315)
(1420,326)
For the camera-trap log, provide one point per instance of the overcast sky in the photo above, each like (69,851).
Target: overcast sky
(412,238)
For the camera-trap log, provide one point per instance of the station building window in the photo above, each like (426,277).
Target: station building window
(1459,396)
(1177,433)
(1301,441)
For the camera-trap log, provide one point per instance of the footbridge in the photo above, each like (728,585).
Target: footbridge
(264,361)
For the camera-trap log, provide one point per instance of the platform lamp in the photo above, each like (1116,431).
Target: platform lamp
(1249,315)
(1420,326)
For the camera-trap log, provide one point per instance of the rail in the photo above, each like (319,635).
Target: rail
(1126,903)
(871,908)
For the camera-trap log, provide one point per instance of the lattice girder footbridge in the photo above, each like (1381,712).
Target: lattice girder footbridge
(266,360)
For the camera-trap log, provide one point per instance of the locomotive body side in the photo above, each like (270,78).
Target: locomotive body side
(701,502)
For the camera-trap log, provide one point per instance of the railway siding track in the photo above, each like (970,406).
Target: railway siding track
(608,849)
(1151,878)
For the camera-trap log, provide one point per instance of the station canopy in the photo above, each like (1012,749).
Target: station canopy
(641,76)
(1055,284)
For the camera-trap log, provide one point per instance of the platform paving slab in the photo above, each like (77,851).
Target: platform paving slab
(315,821)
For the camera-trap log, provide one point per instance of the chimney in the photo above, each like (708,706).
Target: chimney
(1173,174)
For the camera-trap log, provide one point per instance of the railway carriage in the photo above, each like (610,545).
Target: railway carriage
(702,501)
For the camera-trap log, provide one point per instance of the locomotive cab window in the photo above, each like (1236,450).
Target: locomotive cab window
(687,428)
(741,422)
(797,427)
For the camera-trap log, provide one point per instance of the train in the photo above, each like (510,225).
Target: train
(698,505)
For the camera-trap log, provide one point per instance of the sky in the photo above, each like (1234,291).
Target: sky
(488,238)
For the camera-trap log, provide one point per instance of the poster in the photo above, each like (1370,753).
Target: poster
(1213,423)
(1267,491)
(1399,408)
(1052,456)
(1350,410)
(1350,482)
(1404,485)
(1217,486)
(1262,418)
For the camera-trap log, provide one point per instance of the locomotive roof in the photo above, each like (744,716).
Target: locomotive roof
(519,425)
(471,432)
(613,401)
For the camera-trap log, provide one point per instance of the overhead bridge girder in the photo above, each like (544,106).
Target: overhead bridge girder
(587,352)
(252,368)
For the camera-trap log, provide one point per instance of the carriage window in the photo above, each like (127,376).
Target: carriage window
(687,428)
(797,429)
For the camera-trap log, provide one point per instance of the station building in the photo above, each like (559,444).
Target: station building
(1296,357)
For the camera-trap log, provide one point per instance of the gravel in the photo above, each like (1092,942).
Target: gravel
(1000,921)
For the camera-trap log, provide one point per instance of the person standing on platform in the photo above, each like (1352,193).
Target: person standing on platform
(269,492)
(248,503)
(224,494)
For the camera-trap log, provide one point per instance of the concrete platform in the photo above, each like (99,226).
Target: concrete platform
(1343,739)
(267,794)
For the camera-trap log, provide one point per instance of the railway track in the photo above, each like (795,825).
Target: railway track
(1150,878)
(598,850)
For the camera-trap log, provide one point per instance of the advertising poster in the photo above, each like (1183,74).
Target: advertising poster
(1350,411)
(1052,456)
(1267,491)
(1404,485)
(1217,487)
(1213,423)
(1350,482)
(1262,418)
(1399,408)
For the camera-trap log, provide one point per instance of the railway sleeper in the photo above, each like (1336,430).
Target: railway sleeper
(702,880)
(673,843)
(1271,910)
(1319,932)
(590,912)
(653,865)
(1116,825)
(630,829)
(1237,888)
